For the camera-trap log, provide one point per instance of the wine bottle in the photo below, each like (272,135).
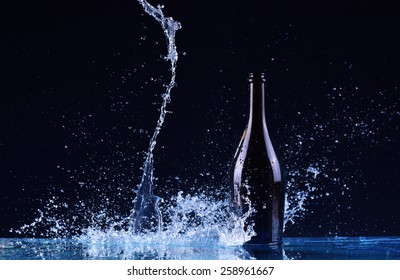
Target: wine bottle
(258,188)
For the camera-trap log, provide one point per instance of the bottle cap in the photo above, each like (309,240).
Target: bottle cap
(256,76)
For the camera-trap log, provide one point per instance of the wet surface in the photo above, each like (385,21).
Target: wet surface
(320,248)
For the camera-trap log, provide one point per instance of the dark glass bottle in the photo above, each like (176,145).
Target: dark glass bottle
(257,176)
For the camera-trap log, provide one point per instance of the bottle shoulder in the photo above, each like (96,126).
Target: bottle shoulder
(256,154)
(257,142)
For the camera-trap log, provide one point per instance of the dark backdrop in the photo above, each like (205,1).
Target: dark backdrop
(80,85)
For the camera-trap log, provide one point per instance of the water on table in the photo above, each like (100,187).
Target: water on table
(316,248)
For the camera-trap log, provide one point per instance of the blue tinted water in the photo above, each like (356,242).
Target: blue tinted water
(316,248)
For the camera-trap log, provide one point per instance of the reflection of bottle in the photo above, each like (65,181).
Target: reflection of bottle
(257,177)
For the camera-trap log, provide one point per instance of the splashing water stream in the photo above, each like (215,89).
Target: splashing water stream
(145,214)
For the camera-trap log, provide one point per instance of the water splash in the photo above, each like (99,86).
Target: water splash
(145,215)
(295,201)
(197,225)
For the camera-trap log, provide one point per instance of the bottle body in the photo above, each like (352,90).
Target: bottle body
(258,184)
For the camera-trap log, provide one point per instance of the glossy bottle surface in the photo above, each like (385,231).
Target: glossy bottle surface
(257,176)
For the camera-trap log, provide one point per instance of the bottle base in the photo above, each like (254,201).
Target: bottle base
(270,251)
(264,244)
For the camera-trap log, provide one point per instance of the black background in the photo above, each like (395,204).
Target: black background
(80,85)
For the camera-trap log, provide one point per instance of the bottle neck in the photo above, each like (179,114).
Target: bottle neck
(257,102)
